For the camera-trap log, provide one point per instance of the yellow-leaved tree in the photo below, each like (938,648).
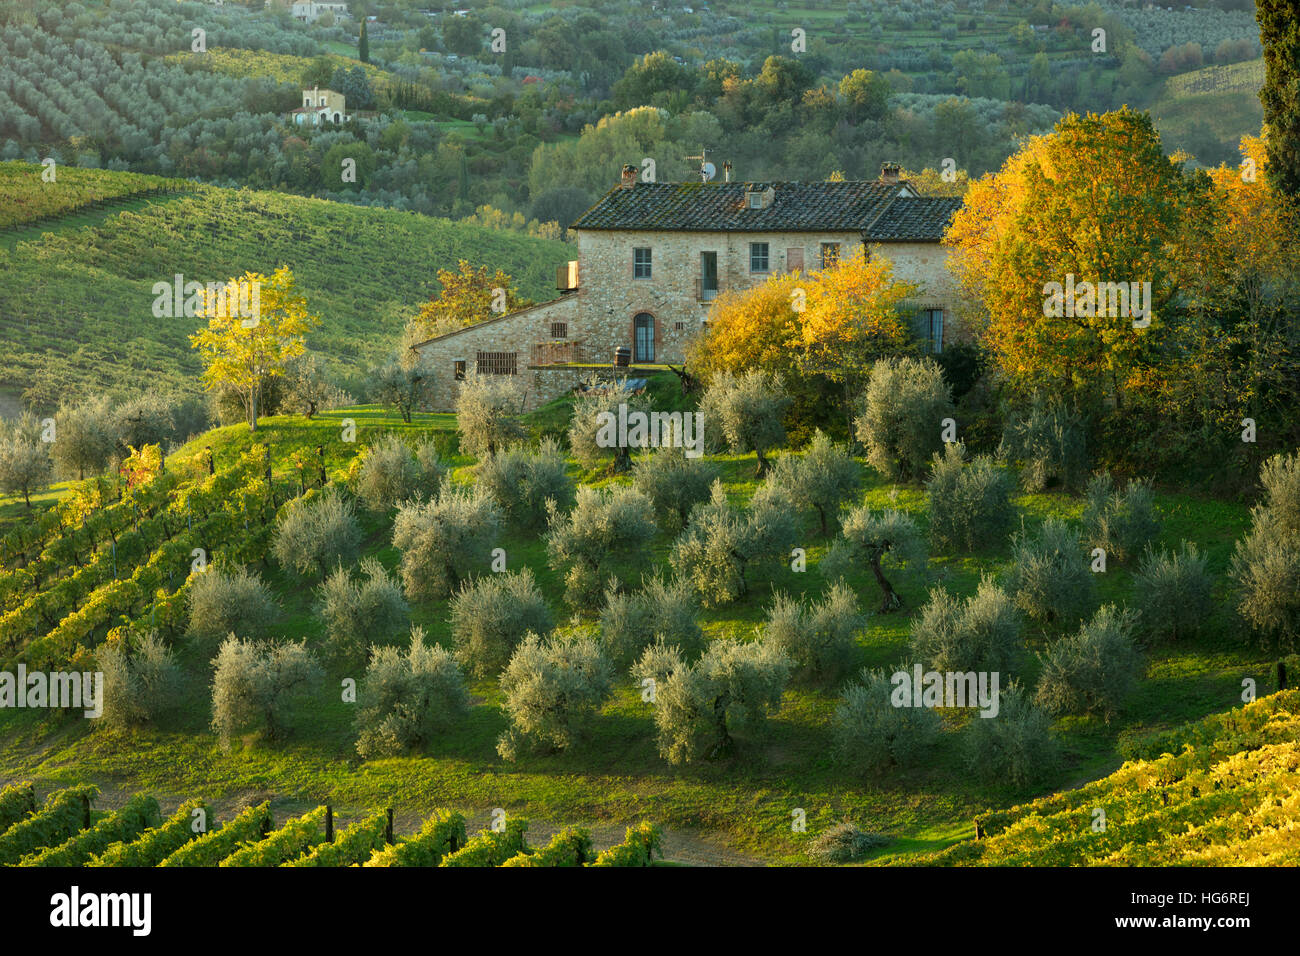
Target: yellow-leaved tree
(820,331)
(243,348)
(1094,202)
(469,295)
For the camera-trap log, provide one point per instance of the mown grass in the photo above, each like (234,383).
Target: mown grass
(616,775)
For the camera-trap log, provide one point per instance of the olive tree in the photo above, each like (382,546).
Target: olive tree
(1014,748)
(403,388)
(821,479)
(871,538)
(818,638)
(981,633)
(316,533)
(660,613)
(969,501)
(730,691)
(522,480)
(85,437)
(1093,670)
(722,544)
(407,697)
(1173,593)
(141,680)
(606,529)
(25,465)
(446,540)
(490,616)
(871,734)
(593,431)
(1120,521)
(359,613)
(1265,566)
(901,422)
(1048,445)
(552,690)
(1050,576)
(488,408)
(256,682)
(389,473)
(745,411)
(674,483)
(223,602)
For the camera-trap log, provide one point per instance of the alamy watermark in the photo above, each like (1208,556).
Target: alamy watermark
(61,689)
(637,429)
(1127,300)
(923,688)
(238,297)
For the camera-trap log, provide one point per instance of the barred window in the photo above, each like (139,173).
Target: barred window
(559,330)
(497,363)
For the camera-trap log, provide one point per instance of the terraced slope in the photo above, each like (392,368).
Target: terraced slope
(1222,791)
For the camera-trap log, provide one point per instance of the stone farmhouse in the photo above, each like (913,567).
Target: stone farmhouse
(652,257)
(310,12)
(320,107)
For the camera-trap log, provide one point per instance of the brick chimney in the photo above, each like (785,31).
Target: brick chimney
(889,172)
(629,176)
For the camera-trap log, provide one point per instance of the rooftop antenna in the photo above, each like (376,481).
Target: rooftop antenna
(707,169)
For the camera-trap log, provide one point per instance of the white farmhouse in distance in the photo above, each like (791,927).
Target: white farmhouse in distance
(320,107)
(310,12)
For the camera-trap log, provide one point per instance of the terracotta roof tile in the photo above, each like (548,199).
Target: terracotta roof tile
(704,207)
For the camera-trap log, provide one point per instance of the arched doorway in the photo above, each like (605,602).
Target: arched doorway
(643,337)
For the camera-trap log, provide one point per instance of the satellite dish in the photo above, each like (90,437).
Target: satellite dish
(708,171)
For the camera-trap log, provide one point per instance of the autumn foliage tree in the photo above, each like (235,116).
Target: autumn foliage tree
(470,294)
(244,353)
(1097,199)
(820,331)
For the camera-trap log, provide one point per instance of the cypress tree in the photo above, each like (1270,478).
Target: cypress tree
(1279,30)
(363,48)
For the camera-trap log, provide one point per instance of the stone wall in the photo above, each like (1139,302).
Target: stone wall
(514,335)
(601,315)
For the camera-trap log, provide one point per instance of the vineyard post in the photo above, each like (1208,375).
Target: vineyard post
(329,824)
(320,452)
(86,807)
(388,828)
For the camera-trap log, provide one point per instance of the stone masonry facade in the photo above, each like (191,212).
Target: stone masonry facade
(649,287)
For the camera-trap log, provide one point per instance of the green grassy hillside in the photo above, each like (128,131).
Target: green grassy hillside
(1222,101)
(617,776)
(76,301)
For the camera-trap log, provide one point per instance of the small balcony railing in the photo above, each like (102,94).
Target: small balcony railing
(558,352)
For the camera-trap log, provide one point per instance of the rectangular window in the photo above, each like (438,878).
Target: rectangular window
(498,363)
(458,370)
(708,275)
(758,257)
(641,263)
(559,330)
(929,327)
(830,254)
